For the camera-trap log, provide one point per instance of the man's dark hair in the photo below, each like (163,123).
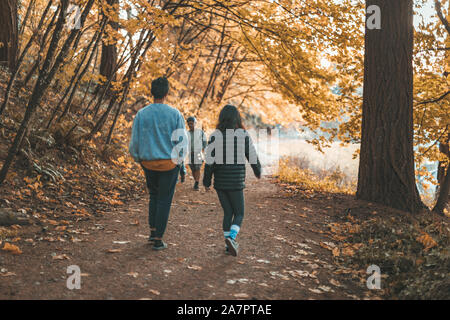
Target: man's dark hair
(160,87)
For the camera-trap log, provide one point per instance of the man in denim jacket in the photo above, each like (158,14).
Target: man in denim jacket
(159,142)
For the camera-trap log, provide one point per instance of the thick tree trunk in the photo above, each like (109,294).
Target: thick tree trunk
(386,169)
(8,33)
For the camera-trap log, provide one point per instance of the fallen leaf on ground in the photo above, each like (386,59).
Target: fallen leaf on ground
(348,251)
(303,252)
(427,241)
(335,283)
(61,257)
(241,295)
(156,292)
(326,289)
(114,250)
(7,274)
(193,267)
(12,248)
(133,274)
(335,252)
(121,242)
(315,290)
(263,261)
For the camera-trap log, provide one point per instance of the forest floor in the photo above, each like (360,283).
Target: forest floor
(284,252)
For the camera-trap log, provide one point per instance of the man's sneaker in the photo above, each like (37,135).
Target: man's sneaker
(196,188)
(159,245)
(233,246)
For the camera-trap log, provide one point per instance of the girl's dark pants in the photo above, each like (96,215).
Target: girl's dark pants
(233,207)
(161,186)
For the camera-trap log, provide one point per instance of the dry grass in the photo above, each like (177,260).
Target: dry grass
(298,171)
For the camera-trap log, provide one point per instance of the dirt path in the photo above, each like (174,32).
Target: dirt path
(280,257)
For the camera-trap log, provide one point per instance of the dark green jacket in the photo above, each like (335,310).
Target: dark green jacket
(230,175)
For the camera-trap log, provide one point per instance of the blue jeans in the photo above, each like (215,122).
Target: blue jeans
(161,186)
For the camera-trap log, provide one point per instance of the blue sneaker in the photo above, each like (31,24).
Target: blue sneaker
(233,246)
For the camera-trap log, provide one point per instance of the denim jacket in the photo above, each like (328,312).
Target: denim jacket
(158,133)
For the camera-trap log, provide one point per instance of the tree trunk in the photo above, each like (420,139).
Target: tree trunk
(386,169)
(15,72)
(443,177)
(8,33)
(108,60)
(46,75)
(444,188)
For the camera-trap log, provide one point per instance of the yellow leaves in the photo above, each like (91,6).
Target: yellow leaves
(13,249)
(304,180)
(427,241)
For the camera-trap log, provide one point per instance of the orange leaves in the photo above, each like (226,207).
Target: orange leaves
(109,200)
(427,241)
(13,249)
(135,222)
(61,257)
(335,252)
(33,183)
(344,228)
(52,222)
(346,249)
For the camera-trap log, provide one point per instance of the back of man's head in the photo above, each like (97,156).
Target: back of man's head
(160,87)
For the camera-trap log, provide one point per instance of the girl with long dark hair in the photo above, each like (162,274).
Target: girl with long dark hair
(229,147)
